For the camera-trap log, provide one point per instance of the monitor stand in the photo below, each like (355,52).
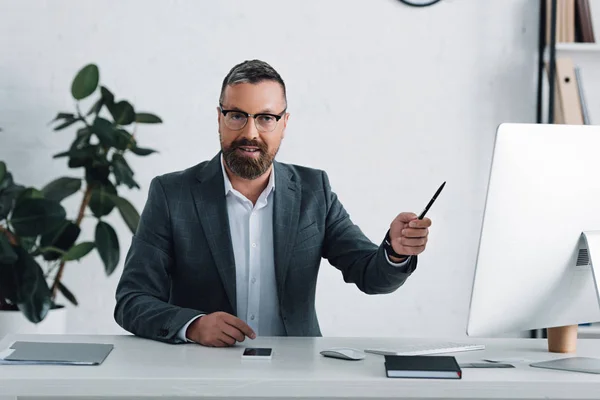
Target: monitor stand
(563,339)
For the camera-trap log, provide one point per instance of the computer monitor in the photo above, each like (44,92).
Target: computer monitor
(533,268)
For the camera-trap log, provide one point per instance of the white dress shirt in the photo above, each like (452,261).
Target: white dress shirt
(251,228)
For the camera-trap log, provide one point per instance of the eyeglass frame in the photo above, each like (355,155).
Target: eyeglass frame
(248,115)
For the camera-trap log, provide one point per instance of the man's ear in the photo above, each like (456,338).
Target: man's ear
(285,121)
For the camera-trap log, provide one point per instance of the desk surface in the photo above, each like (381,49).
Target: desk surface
(139,367)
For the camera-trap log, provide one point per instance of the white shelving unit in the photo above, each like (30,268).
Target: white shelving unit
(577,47)
(586,56)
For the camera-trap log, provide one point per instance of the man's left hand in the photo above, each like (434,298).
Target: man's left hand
(408,234)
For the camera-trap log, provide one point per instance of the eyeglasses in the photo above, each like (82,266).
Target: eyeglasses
(236,119)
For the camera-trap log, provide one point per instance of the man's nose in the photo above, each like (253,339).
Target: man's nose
(249,131)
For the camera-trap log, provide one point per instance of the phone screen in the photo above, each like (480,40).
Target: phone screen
(257,351)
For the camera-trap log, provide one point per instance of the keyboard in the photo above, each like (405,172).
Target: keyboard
(426,349)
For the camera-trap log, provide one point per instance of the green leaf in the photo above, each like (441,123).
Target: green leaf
(61,238)
(79,251)
(28,243)
(6,182)
(6,203)
(83,138)
(67,293)
(61,154)
(29,193)
(107,97)
(85,82)
(141,151)
(9,191)
(7,254)
(23,283)
(101,202)
(123,139)
(128,212)
(32,217)
(147,118)
(65,124)
(63,116)
(2,170)
(123,173)
(81,151)
(123,113)
(107,244)
(96,107)
(82,157)
(61,188)
(97,174)
(105,131)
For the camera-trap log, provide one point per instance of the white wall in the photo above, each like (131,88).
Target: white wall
(389,100)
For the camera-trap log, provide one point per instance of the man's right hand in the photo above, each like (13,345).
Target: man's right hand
(219,329)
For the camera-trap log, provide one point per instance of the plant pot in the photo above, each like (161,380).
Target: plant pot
(14,322)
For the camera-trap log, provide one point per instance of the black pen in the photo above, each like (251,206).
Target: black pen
(432,200)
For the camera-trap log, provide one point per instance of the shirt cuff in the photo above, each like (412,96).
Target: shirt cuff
(400,264)
(182,331)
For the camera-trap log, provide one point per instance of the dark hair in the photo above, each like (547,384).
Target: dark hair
(251,71)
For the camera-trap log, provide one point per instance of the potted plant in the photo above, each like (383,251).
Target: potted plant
(36,230)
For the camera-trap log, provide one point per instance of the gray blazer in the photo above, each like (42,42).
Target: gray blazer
(181,264)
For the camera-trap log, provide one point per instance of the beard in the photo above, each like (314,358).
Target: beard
(247,167)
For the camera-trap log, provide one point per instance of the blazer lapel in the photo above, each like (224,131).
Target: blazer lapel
(285,222)
(211,206)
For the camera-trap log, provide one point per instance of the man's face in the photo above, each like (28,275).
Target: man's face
(250,150)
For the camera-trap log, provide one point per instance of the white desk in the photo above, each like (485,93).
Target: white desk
(143,369)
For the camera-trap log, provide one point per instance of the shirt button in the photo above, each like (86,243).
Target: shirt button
(252,317)
(253,280)
(253,244)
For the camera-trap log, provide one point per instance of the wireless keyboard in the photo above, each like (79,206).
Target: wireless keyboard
(426,349)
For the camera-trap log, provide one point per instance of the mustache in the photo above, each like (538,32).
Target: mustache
(245,142)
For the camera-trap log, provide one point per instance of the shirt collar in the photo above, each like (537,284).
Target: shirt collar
(229,186)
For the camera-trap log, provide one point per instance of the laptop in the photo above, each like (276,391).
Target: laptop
(24,352)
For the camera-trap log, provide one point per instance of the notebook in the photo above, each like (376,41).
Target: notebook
(23,352)
(441,367)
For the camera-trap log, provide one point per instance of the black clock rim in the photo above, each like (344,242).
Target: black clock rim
(407,2)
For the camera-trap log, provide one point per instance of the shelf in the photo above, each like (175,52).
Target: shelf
(581,47)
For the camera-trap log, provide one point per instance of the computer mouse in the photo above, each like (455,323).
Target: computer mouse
(344,353)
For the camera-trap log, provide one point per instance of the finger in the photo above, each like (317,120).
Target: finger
(415,232)
(412,242)
(241,325)
(232,331)
(410,250)
(406,217)
(228,340)
(219,343)
(419,223)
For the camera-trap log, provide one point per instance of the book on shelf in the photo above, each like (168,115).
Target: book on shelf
(570,106)
(573,21)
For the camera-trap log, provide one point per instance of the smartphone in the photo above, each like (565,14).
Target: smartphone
(257,353)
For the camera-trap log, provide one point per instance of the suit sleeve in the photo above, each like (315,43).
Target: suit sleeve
(361,261)
(142,295)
